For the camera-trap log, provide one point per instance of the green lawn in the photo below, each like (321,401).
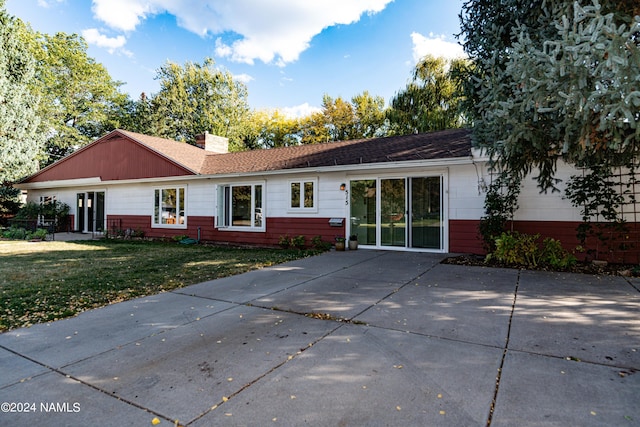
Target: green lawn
(45,281)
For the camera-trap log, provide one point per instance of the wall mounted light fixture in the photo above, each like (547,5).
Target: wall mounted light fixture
(343,186)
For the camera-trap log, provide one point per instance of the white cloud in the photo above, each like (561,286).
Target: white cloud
(48,3)
(272,31)
(302,110)
(124,15)
(244,78)
(112,44)
(436,46)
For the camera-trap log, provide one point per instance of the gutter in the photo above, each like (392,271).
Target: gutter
(360,168)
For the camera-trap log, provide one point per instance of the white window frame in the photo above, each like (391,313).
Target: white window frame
(224,217)
(43,200)
(157,201)
(301,208)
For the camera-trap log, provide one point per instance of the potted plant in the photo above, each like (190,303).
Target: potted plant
(340,243)
(353,242)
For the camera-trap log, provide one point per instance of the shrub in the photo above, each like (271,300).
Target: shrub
(320,244)
(298,242)
(15,233)
(39,234)
(514,248)
(284,241)
(520,249)
(56,211)
(555,256)
(19,233)
(138,232)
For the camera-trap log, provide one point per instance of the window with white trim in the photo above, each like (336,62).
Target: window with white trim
(240,206)
(45,201)
(303,195)
(169,208)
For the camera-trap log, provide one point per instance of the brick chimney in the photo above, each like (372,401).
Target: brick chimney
(213,143)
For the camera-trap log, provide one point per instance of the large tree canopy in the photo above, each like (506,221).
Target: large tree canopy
(554,79)
(78,95)
(431,100)
(197,98)
(20,141)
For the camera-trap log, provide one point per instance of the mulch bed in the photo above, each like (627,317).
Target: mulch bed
(629,270)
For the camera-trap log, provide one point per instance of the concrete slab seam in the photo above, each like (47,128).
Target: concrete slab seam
(30,360)
(632,284)
(260,377)
(64,374)
(504,353)
(395,291)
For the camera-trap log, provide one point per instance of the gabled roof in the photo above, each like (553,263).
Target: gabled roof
(187,155)
(129,155)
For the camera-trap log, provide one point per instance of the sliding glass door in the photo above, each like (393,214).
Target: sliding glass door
(393,218)
(426,213)
(398,212)
(363,211)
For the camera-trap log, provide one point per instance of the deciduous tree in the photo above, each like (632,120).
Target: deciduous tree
(431,100)
(270,129)
(78,96)
(196,98)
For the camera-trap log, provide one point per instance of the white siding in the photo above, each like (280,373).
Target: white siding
(466,195)
(130,200)
(536,206)
(331,200)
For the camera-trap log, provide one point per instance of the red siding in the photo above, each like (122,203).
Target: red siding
(276,227)
(115,158)
(463,234)
(621,248)
(464,237)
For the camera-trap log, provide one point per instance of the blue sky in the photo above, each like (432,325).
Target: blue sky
(288,52)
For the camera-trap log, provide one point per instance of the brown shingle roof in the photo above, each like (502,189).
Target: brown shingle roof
(453,143)
(185,154)
(426,146)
